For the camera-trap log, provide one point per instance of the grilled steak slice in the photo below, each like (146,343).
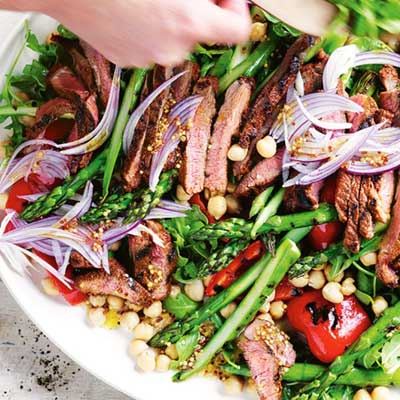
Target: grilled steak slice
(153,264)
(192,173)
(157,120)
(312,73)
(361,120)
(268,353)
(117,283)
(78,261)
(380,195)
(267,105)
(300,197)
(66,84)
(262,175)
(389,255)
(351,239)
(366,223)
(131,171)
(385,117)
(390,98)
(237,100)
(101,71)
(182,88)
(343,188)
(48,113)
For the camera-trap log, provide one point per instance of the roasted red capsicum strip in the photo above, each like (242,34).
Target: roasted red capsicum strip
(329,328)
(198,201)
(322,236)
(285,291)
(225,277)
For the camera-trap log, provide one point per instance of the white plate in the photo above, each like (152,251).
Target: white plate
(101,352)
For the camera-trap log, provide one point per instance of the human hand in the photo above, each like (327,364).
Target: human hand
(142,32)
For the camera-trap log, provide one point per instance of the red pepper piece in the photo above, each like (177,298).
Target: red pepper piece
(322,236)
(285,291)
(329,328)
(198,201)
(59,129)
(228,275)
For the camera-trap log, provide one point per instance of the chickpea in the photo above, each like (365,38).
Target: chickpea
(97,316)
(162,363)
(332,292)
(129,320)
(233,386)
(237,153)
(228,310)
(278,309)
(362,394)
(379,305)
(369,259)
(217,206)
(381,393)
(267,147)
(137,346)
(97,301)
(181,194)
(143,331)
(300,282)
(146,360)
(195,290)
(115,303)
(49,287)
(171,352)
(348,287)
(317,279)
(154,310)
(232,204)
(337,278)
(175,290)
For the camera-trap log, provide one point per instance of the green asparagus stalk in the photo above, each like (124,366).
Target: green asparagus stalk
(142,205)
(250,66)
(260,201)
(222,65)
(110,209)
(359,377)
(237,228)
(367,84)
(10,111)
(274,271)
(377,333)
(221,258)
(267,212)
(306,264)
(129,101)
(59,195)
(175,331)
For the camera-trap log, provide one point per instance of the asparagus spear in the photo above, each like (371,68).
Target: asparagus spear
(237,228)
(110,209)
(221,258)
(129,101)
(175,331)
(251,65)
(59,195)
(274,271)
(260,201)
(377,333)
(359,377)
(267,212)
(8,111)
(148,200)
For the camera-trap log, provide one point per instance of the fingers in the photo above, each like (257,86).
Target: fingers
(228,22)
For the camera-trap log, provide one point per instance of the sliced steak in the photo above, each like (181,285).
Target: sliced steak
(342,196)
(227,125)
(157,118)
(101,71)
(268,103)
(302,197)
(366,224)
(261,176)
(388,265)
(269,354)
(360,120)
(192,173)
(117,283)
(182,88)
(390,98)
(351,238)
(380,195)
(77,261)
(385,117)
(66,84)
(153,264)
(131,175)
(312,73)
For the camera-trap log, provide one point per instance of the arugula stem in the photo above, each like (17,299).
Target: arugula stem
(10,111)
(129,102)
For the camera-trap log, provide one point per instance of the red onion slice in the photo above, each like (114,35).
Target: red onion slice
(377,57)
(93,140)
(137,114)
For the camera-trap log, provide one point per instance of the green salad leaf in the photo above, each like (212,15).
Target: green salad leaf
(180,305)
(391,355)
(185,348)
